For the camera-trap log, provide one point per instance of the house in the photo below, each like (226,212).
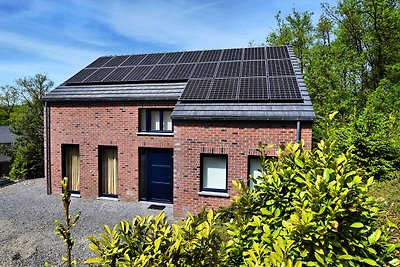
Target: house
(173,127)
(6,138)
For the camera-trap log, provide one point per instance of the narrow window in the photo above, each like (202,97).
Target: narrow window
(214,173)
(155,120)
(108,167)
(71,166)
(143,120)
(167,121)
(254,169)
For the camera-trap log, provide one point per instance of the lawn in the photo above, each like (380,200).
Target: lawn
(387,194)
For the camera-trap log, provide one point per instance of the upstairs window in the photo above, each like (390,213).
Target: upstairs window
(155,120)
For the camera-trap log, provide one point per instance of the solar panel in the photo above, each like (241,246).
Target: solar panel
(181,71)
(133,60)
(278,52)
(115,61)
(138,73)
(232,54)
(118,74)
(280,67)
(151,59)
(284,88)
(210,56)
(170,58)
(204,70)
(224,89)
(80,76)
(254,68)
(253,89)
(99,75)
(159,72)
(196,89)
(228,69)
(99,62)
(254,53)
(190,57)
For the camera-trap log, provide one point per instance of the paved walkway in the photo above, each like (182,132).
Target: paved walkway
(27,229)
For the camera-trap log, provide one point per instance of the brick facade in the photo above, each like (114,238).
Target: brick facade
(93,125)
(236,140)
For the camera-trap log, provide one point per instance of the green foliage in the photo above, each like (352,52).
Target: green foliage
(375,138)
(311,207)
(27,151)
(151,241)
(388,198)
(28,161)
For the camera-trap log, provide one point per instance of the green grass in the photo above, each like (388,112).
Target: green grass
(387,193)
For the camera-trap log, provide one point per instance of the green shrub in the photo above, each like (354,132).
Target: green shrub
(151,241)
(28,162)
(311,207)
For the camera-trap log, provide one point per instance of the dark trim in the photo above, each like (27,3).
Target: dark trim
(148,120)
(48,170)
(63,167)
(99,152)
(205,155)
(298,131)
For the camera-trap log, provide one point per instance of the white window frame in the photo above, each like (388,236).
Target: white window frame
(204,158)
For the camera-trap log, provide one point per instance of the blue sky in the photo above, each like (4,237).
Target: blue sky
(59,37)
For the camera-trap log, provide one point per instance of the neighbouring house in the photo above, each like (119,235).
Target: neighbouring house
(6,138)
(173,127)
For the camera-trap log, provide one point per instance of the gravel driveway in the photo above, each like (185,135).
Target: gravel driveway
(27,229)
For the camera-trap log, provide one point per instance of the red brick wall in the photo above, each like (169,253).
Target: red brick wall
(237,140)
(92,125)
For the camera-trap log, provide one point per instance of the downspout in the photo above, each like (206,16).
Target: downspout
(298,132)
(47,115)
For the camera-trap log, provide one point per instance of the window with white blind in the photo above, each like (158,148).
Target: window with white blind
(108,168)
(254,169)
(214,173)
(71,166)
(155,120)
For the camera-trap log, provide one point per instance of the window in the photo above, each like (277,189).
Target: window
(155,120)
(71,166)
(254,169)
(108,168)
(214,173)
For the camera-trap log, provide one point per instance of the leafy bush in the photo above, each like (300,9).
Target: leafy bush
(28,162)
(151,241)
(311,207)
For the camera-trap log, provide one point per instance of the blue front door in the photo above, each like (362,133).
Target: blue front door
(158,173)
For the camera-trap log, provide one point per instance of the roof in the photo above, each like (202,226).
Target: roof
(260,83)
(117,92)
(6,136)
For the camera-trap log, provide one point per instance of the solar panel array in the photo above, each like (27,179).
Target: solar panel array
(240,74)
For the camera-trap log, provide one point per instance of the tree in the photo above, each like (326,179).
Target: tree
(296,29)
(8,101)
(28,148)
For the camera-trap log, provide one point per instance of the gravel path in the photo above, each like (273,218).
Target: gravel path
(27,229)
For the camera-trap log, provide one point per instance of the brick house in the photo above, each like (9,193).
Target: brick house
(173,127)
